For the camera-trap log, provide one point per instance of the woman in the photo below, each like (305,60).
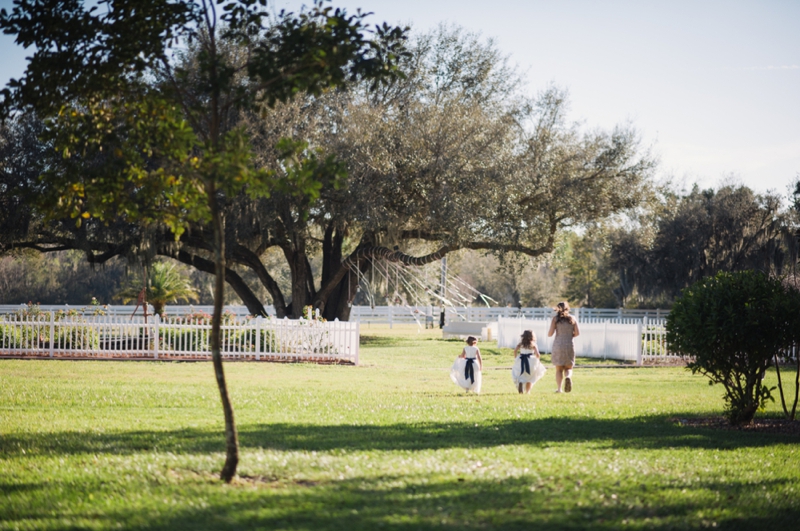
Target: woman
(565,327)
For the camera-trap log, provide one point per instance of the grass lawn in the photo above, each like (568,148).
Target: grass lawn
(391,444)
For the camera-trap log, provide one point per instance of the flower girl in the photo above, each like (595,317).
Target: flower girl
(466,370)
(527,367)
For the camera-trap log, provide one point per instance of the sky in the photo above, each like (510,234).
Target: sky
(712,86)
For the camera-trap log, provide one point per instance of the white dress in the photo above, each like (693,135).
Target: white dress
(457,372)
(536,368)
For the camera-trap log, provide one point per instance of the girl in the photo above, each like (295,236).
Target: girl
(467,368)
(565,327)
(527,367)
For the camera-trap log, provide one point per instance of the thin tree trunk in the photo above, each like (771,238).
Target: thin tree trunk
(780,386)
(796,382)
(231,436)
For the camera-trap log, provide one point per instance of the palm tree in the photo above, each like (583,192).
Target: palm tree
(165,284)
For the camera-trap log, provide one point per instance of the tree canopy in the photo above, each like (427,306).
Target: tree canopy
(452,155)
(686,238)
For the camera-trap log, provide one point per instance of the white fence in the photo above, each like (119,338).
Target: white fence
(128,311)
(642,341)
(423,315)
(108,336)
(382,314)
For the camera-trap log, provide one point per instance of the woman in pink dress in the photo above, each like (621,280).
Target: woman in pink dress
(565,327)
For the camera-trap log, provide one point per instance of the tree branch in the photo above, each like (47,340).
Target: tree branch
(231,277)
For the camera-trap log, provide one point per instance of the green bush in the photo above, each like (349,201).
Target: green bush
(194,339)
(185,338)
(730,327)
(71,337)
(9,336)
(245,341)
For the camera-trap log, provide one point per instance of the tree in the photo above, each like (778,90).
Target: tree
(150,141)
(687,238)
(590,283)
(165,283)
(730,327)
(21,156)
(451,156)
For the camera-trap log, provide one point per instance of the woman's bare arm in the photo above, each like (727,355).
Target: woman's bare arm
(552,327)
(575,330)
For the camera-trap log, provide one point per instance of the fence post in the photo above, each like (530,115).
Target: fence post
(156,320)
(357,338)
(52,331)
(641,324)
(259,319)
(390,315)
(605,340)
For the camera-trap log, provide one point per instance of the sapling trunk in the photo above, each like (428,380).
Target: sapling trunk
(789,415)
(780,386)
(231,436)
(796,381)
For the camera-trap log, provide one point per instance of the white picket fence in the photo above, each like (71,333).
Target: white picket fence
(113,336)
(641,341)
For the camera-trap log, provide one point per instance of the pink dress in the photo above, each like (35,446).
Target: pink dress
(563,347)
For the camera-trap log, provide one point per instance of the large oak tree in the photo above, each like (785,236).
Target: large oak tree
(450,156)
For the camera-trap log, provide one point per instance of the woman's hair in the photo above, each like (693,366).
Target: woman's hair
(528,339)
(471,340)
(562,312)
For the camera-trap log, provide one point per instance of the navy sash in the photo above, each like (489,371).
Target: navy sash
(525,363)
(469,371)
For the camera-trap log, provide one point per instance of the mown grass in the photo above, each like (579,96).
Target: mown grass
(391,444)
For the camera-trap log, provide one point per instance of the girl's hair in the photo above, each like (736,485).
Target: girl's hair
(562,313)
(471,340)
(528,339)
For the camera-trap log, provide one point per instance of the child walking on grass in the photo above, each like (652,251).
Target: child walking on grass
(467,368)
(527,368)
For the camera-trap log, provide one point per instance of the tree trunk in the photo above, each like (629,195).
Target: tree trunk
(301,278)
(338,305)
(231,436)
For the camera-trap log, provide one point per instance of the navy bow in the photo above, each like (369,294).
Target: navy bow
(469,371)
(525,362)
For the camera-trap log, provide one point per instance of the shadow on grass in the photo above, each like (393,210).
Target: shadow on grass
(378,341)
(405,504)
(651,432)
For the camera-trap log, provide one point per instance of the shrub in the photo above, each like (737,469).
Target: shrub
(77,337)
(245,341)
(9,336)
(792,354)
(194,339)
(729,327)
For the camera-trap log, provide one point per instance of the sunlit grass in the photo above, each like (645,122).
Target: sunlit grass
(391,444)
